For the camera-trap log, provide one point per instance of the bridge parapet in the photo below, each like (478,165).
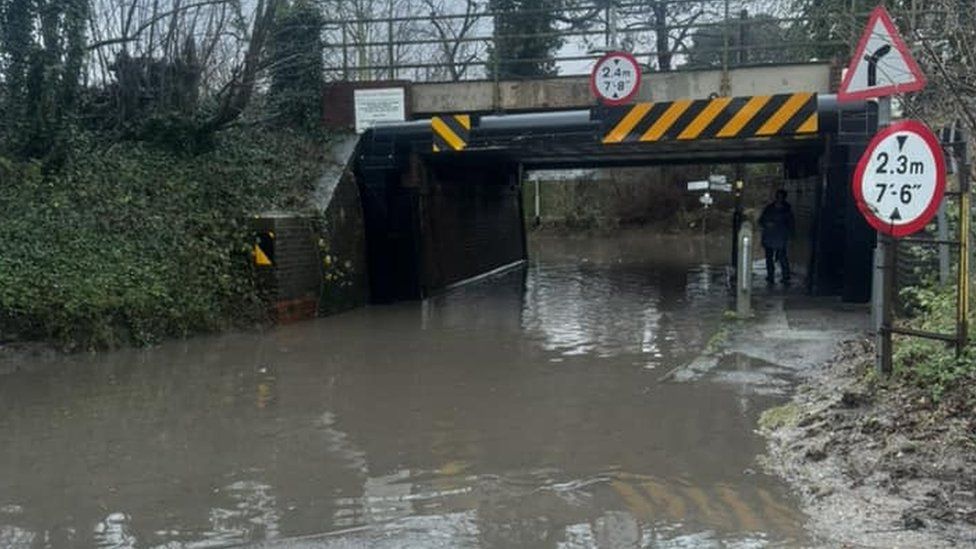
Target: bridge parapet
(574,92)
(424,100)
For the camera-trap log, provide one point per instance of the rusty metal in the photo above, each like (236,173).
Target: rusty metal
(962,306)
(948,338)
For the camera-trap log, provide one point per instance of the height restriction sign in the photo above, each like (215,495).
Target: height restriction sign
(900,179)
(615,78)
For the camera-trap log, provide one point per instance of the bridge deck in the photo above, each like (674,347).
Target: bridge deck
(573,139)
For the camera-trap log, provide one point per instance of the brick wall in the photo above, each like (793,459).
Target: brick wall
(293,283)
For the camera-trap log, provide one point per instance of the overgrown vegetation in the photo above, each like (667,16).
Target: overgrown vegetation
(129,243)
(42,46)
(933,365)
(135,145)
(296,68)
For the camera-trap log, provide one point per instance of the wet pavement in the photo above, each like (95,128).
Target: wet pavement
(533,409)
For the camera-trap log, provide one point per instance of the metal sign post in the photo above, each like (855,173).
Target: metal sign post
(900,181)
(898,186)
(886,261)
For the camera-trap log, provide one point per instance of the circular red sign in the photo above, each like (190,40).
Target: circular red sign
(900,179)
(616,78)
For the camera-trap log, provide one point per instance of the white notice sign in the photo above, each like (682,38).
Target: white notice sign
(379,105)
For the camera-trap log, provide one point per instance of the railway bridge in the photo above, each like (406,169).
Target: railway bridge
(441,192)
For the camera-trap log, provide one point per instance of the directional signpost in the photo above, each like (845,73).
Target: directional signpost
(615,78)
(900,180)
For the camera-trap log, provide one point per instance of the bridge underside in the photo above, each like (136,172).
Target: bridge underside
(434,219)
(560,152)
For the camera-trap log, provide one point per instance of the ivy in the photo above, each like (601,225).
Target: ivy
(296,65)
(129,244)
(42,47)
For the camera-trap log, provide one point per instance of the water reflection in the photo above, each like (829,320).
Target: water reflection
(517,412)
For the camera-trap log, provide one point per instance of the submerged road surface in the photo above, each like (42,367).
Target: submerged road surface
(523,411)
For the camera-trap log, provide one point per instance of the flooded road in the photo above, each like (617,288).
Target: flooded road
(527,410)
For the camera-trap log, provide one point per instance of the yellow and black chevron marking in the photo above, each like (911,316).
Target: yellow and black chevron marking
(264,249)
(744,508)
(720,118)
(451,132)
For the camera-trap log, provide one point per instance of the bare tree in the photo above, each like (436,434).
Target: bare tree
(236,96)
(374,37)
(671,25)
(165,52)
(163,29)
(457,51)
(945,36)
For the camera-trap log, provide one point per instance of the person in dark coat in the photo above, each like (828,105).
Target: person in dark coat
(777,228)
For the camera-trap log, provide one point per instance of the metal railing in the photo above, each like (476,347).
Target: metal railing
(420,40)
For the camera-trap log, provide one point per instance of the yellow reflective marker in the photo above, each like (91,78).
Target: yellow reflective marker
(260,258)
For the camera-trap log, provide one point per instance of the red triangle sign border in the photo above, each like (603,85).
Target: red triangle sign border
(881,13)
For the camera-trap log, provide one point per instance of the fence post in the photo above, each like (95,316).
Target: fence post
(726,86)
(962,310)
(496,92)
(389,47)
(743,57)
(612,25)
(345,53)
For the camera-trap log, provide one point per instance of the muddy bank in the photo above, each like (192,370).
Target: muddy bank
(876,464)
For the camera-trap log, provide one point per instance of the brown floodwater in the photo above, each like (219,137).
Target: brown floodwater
(525,410)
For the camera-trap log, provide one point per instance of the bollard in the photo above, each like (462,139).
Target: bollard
(743,297)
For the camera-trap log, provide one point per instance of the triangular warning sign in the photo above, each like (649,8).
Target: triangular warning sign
(882,64)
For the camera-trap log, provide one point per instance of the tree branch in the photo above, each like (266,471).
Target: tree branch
(151,22)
